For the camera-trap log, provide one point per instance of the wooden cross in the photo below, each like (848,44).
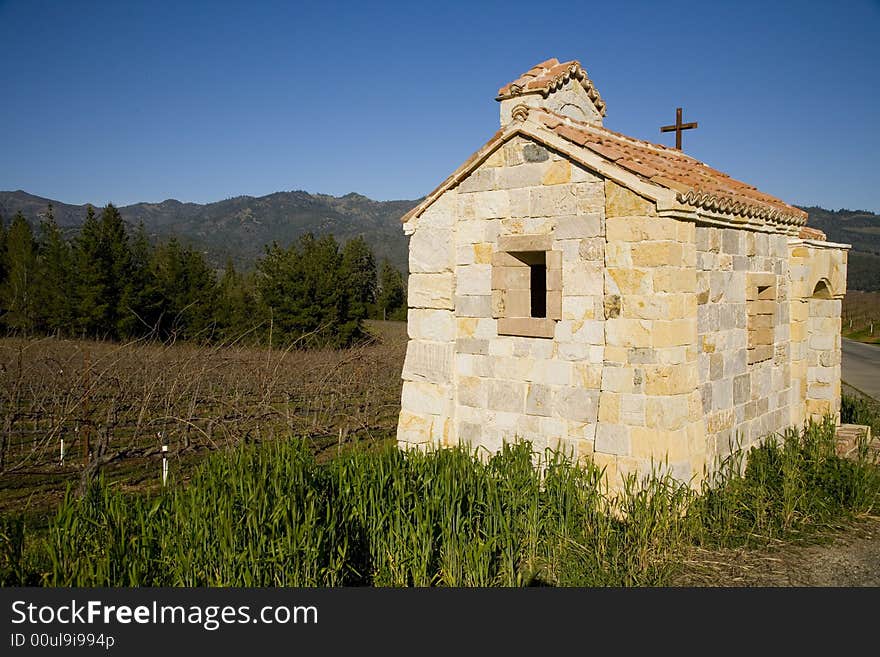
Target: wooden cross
(678,127)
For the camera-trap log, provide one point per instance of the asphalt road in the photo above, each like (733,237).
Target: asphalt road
(861,366)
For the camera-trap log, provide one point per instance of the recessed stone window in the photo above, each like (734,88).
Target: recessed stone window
(526,286)
(761,307)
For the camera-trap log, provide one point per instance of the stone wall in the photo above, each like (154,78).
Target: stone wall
(649,410)
(742,402)
(506,388)
(818,275)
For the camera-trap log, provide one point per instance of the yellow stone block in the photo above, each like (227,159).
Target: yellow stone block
(628,332)
(630,281)
(615,354)
(621,202)
(686,231)
(674,333)
(609,407)
(559,172)
(668,413)
(659,446)
(467,326)
(670,379)
(483,253)
(496,159)
(587,375)
(675,280)
(657,254)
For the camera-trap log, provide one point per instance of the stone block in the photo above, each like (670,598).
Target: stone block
(473,279)
(578,226)
(428,361)
(526,326)
(628,332)
(552,372)
(413,428)
(592,249)
(431,250)
(587,375)
(669,413)
(732,241)
(620,379)
(557,173)
(553,201)
(474,365)
(432,325)
(627,281)
(470,434)
(673,333)
(476,327)
(539,399)
(481,180)
(473,306)
(519,177)
(491,205)
(572,403)
(612,439)
(583,278)
(507,396)
(669,280)
(427,398)
(657,254)
(621,202)
(472,346)
(535,153)
(609,407)
(430,290)
(472,391)
(670,379)
(476,231)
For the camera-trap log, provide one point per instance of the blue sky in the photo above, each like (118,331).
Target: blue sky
(143,101)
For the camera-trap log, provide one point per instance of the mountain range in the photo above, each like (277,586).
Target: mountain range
(239,227)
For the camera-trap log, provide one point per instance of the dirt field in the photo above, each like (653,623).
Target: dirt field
(115,405)
(846,557)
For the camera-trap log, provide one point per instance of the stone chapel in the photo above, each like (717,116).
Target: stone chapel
(610,297)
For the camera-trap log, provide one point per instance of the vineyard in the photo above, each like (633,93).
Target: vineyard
(860,316)
(73,409)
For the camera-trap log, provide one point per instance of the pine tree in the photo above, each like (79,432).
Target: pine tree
(188,290)
(141,303)
(18,290)
(116,256)
(236,313)
(92,312)
(3,267)
(54,312)
(392,292)
(359,276)
(302,290)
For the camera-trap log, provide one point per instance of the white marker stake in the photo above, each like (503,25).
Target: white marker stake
(62,452)
(164,464)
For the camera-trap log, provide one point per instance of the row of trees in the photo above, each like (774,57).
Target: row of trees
(110,284)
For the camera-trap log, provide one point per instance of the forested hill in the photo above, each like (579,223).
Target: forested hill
(239,227)
(859,228)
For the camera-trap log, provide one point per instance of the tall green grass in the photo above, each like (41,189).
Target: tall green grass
(271,516)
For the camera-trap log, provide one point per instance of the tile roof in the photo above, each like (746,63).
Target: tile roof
(696,183)
(549,76)
(808,233)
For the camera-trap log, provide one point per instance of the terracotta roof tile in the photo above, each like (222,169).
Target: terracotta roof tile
(808,233)
(696,183)
(549,76)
